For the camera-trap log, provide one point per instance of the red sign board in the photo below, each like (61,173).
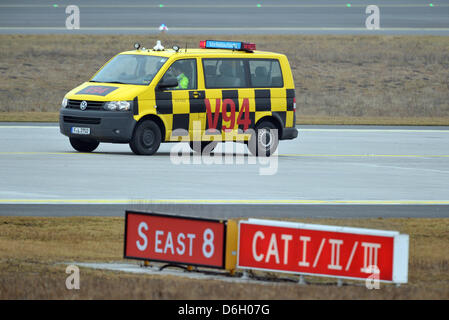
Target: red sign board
(174,239)
(323,250)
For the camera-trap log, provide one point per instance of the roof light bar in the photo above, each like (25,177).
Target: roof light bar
(230,45)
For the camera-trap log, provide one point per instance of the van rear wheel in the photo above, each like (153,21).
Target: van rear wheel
(264,139)
(146,139)
(83,144)
(203,146)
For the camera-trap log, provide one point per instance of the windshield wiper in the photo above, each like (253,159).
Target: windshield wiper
(116,82)
(109,82)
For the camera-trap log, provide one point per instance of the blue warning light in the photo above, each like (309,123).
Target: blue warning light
(232,45)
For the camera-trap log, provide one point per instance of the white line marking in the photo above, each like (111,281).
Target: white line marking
(351,256)
(428,156)
(319,252)
(208,29)
(402,168)
(222,201)
(341,5)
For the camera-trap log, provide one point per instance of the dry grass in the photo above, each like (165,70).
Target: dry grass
(30,249)
(336,77)
(27,116)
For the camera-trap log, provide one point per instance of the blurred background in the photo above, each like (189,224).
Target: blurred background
(344,72)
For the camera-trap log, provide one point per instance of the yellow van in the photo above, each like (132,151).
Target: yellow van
(222,91)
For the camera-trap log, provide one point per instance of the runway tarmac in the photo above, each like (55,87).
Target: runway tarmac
(230,17)
(330,171)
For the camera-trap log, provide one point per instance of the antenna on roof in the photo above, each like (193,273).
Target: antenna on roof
(158,46)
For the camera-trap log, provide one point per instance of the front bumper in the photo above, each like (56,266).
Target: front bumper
(289,133)
(105,126)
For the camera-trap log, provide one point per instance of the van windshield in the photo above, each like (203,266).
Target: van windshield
(130,69)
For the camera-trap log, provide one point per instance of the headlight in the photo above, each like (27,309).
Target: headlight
(117,105)
(64,102)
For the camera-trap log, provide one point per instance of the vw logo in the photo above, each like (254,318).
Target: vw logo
(83,105)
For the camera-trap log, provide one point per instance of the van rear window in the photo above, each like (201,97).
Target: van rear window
(265,73)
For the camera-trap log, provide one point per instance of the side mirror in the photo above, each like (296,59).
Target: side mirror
(167,83)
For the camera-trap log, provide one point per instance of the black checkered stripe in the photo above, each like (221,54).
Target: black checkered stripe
(197,104)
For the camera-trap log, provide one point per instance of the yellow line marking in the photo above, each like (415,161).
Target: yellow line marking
(40,153)
(219,201)
(372,130)
(29,127)
(298,126)
(368,155)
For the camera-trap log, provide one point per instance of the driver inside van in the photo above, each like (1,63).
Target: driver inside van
(179,71)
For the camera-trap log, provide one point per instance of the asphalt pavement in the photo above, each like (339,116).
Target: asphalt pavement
(230,17)
(332,171)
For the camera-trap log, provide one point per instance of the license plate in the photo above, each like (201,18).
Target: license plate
(78,130)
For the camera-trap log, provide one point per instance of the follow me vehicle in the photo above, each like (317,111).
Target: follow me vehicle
(223,91)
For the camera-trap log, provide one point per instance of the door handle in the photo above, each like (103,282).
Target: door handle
(198,94)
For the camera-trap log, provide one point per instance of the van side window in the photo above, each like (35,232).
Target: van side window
(224,73)
(185,72)
(265,73)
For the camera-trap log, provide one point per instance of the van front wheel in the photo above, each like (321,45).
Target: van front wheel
(146,139)
(84,145)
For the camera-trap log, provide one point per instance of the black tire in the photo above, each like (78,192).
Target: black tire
(84,144)
(264,139)
(204,146)
(146,139)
